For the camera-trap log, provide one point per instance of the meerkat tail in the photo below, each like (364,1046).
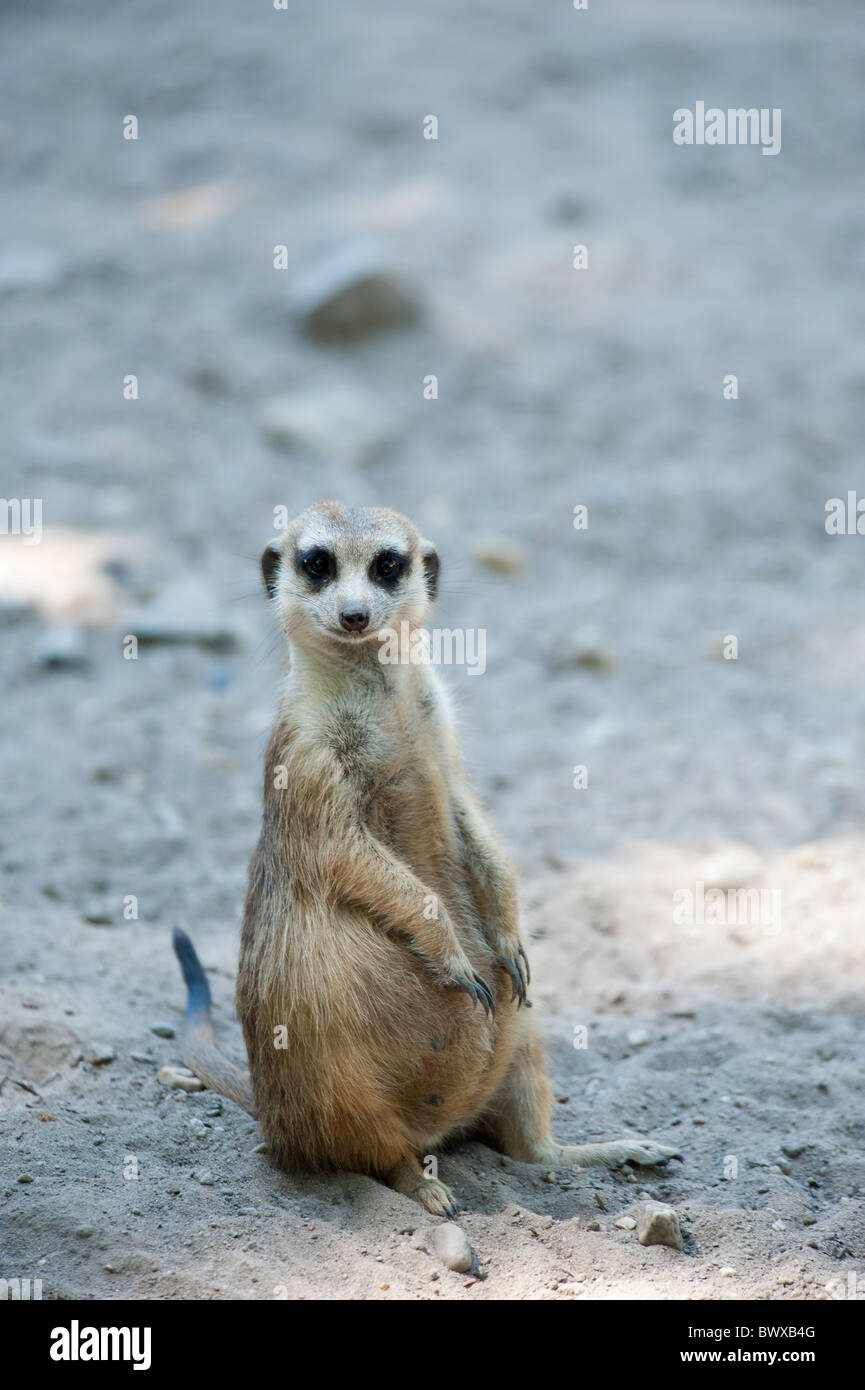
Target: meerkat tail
(200,1052)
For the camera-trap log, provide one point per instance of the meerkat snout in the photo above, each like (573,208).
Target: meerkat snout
(354,619)
(345,575)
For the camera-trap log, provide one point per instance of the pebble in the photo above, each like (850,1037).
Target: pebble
(593,1225)
(197,1127)
(733,867)
(60,646)
(793,1148)
(347,292)
(101,1053)
(162,1030)
(29,268)
(639,1037)
(180,1079)
(203,1176)
(501,555)
(658,1224)
(726,1271)
(340,421)
(143,1057)
(451,1245)
(625,1223)
(25,1177)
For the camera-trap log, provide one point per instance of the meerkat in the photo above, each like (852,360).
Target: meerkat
(383,969)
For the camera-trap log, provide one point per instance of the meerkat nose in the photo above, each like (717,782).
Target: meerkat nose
(354,619)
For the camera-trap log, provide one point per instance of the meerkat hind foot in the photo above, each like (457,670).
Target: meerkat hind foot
(646,1153)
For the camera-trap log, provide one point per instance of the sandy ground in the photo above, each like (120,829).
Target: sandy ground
(740,1042)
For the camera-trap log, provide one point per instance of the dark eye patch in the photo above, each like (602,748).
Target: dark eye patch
(317,566)
(388,568)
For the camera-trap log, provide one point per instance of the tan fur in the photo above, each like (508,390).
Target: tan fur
(378,898)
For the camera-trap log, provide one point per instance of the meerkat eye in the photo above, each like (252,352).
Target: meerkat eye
(387,567)
(317,564)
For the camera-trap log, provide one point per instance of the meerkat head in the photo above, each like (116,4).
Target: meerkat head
(343,575)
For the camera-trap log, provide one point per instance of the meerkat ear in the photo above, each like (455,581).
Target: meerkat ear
(270,562)
(431,567)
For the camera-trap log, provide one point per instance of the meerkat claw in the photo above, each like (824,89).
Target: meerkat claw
(478,990)
(513,968)
(521,952)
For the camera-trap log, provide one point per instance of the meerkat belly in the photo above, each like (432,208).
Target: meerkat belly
(388,1057)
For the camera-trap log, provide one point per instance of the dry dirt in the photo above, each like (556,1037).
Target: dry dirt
(742,1043)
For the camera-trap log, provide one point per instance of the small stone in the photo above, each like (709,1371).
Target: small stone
(658,1224)
(261,1149)
(347,293)
(25,1177)
(783,1166)
(83,1232)
(593,1225)
(808,858)
(143,1057)
(451,1245)
(625,1223)
(101,1053)
(639,1037)
(501,555)
(793,1148)
(60,645)
(197,1127)
(162,1030)
(214,1108)
(727,1272)
(204,1177)
(180,1079)
(778,1225)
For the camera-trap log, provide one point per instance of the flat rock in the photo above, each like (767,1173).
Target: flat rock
(162,1030)
(451,1245)
(658,1224)
(101,1053)
(336,421)
(182,613)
